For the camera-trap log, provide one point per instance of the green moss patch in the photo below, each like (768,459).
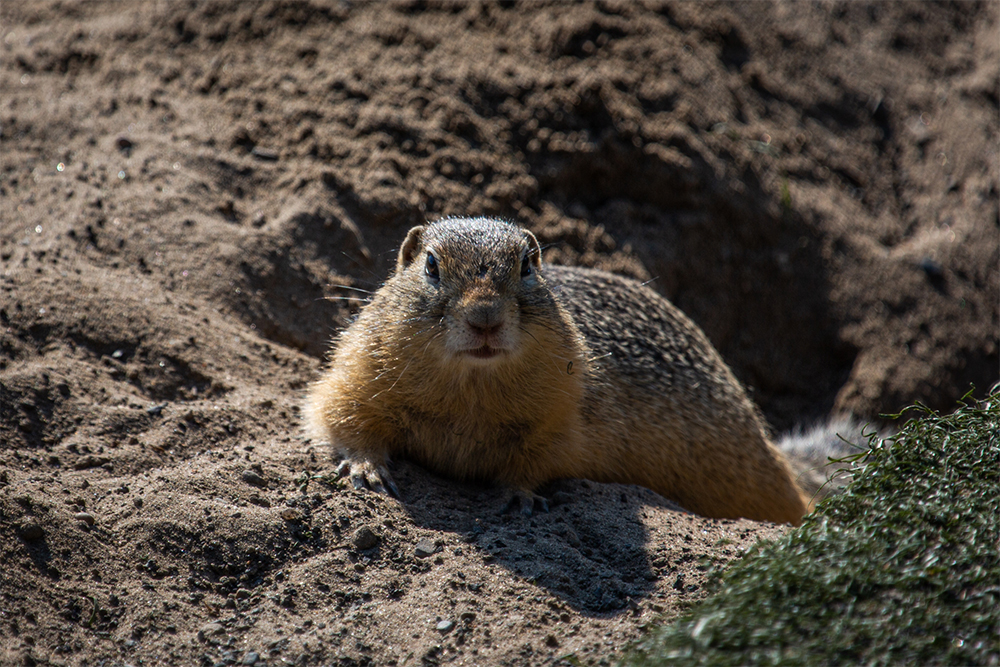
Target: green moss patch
(903,568)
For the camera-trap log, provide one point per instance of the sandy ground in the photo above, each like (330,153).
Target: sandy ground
(194,194)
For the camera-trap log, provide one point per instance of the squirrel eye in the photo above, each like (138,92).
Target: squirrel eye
(525,266)
(432,266)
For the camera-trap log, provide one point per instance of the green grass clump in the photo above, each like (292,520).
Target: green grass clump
(902,569)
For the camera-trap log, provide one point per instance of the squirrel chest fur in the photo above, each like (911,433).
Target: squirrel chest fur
(481,363)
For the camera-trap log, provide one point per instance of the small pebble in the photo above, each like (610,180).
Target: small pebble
(932,268)
(31,531)
(90,461)
(291,514)
(264,154)
(561,498)
(85,517)
(425,548)
(364,538)
(445,626)
(210,629)
(250,658)
(251,477)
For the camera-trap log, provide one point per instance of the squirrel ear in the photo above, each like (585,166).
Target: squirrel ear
(409,247)
(534,250)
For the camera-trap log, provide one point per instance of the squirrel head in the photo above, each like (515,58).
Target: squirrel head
(475,281)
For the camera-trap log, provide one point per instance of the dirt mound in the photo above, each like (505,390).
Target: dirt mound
(196,196)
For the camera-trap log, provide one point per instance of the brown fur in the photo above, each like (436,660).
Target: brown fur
(592,376)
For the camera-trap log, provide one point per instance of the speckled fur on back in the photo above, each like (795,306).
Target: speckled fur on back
(669,413)
(479,362)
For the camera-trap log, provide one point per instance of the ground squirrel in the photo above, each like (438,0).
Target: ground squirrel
(481,363)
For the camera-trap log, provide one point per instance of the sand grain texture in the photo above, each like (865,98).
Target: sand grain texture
(195,195)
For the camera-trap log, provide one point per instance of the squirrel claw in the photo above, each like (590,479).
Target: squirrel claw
(367,475)
(525,502)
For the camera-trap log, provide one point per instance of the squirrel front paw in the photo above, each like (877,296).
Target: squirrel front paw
(365,474)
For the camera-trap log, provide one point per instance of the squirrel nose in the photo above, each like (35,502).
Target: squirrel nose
(485,330)
(484,321)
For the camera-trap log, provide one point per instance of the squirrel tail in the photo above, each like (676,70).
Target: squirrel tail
(821,454)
